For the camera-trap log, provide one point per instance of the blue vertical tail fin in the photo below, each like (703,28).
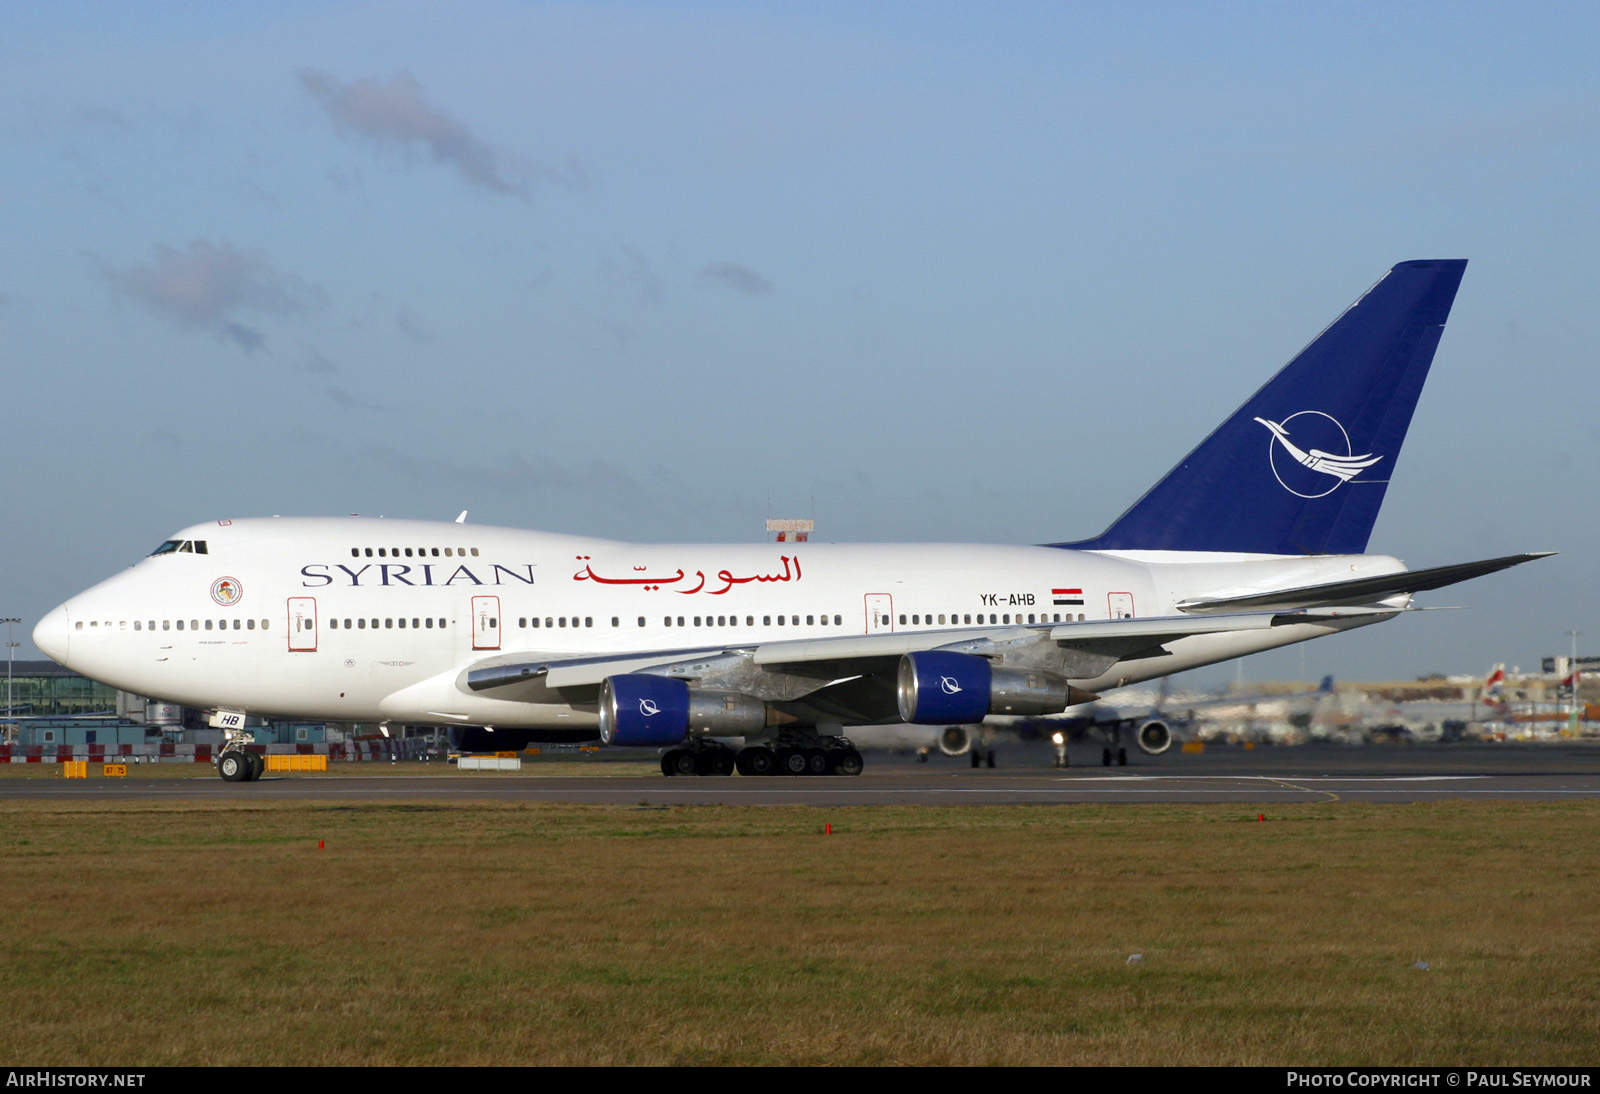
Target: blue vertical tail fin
(1302,467)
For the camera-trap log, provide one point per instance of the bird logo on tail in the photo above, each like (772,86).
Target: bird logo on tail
(1341,468)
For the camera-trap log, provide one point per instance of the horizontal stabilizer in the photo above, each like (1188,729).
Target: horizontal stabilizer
(1361,590)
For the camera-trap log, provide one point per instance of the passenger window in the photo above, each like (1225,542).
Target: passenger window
(180,624)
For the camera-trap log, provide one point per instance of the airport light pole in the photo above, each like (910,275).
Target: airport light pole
(11,654)
(1572,674)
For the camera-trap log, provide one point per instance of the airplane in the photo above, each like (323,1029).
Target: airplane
(1255,540)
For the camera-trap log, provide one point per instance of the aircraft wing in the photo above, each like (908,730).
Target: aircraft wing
(1357,591)
(823,660)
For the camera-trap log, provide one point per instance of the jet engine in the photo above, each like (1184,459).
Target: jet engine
(1154,737)
(938,687)
(643,710)
(956,740)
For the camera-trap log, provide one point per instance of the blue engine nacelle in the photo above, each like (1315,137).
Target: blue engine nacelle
(638,709)
(642,710)
(937,687)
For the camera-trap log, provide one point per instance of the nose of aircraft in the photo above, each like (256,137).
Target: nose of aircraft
(52,635)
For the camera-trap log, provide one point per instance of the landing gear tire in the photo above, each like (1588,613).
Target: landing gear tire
(685,762)
(234,767)
(721,763)
(1122,757)
(816,762)
(667,760)
(846,762)
(988,758)
(977,758)
(792,761)
(258,767)
(1105,757)
(757,760)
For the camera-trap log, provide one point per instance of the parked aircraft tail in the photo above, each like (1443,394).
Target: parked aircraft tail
(1302,467)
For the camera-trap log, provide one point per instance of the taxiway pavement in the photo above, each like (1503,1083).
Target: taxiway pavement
(1023,775)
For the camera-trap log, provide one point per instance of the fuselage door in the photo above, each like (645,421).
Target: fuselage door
(879,609)
(302,624)
(486,622)
(1121,605)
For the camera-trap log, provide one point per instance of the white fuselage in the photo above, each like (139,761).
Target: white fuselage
(362,620)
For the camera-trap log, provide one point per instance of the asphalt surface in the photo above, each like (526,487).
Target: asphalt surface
(1380,773)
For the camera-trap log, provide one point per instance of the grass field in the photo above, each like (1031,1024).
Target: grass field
(490,934)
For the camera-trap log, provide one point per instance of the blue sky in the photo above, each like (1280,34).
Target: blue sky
(652,271)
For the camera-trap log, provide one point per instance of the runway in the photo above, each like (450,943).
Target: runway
(1506,772)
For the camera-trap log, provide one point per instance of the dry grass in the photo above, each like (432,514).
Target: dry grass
(487,933)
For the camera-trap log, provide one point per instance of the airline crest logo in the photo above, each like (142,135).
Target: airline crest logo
(1310,465)
(647,707)
(949,685)
(227,591)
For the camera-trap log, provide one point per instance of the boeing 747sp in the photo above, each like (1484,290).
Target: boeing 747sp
(1257,539)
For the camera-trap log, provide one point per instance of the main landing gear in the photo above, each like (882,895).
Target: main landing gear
(1112,733)
(805,756)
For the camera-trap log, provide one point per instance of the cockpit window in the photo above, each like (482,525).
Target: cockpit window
(181,546)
